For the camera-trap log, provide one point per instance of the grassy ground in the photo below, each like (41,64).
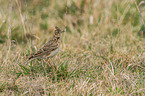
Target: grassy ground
(102,52)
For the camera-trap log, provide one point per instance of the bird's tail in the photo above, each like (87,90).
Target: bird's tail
(29,60)
(26,62)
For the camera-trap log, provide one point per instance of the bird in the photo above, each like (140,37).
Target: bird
(51,48)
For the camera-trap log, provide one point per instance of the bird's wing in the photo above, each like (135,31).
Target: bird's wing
(46,49)
(49,43)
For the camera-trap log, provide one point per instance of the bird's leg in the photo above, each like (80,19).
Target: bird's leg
(44,67)
(49,63)
(51,66)
(48,66)
(42,63)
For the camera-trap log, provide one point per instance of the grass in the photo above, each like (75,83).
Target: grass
(102,52)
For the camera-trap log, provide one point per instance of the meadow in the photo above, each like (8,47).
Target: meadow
(102,51)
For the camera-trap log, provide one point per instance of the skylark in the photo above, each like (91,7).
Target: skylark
(51,48)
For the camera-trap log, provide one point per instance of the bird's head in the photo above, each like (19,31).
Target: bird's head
(58,31)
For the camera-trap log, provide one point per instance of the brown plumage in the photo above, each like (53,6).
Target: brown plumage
(51,48)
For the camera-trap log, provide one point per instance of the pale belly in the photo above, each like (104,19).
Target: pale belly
(54,52)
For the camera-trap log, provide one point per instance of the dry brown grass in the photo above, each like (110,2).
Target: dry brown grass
(101,52)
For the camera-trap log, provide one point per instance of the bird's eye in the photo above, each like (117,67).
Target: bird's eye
(58,37)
